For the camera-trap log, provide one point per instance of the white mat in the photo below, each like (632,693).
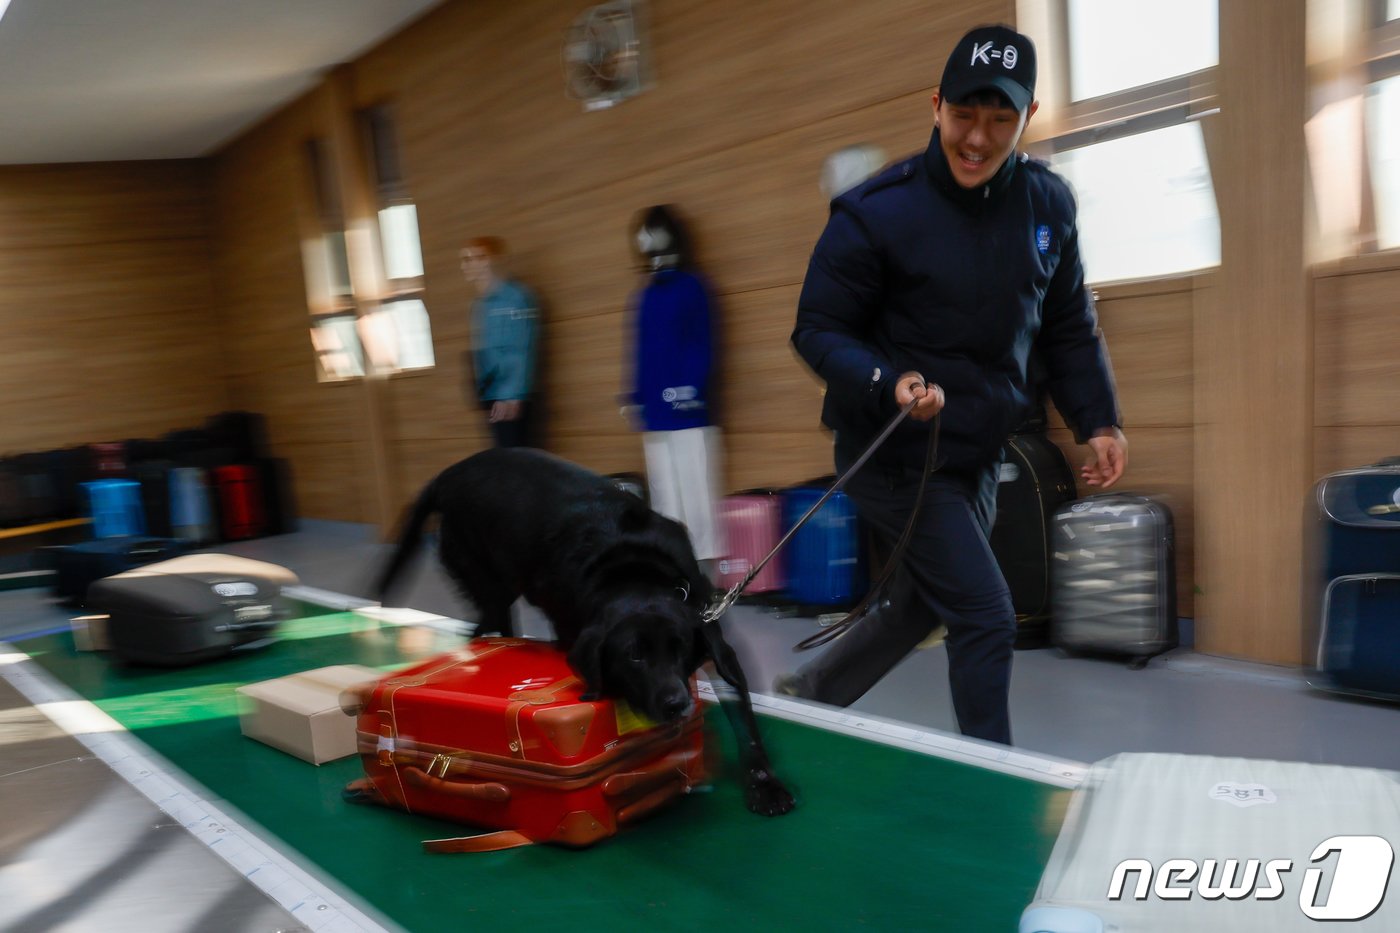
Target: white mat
(1150,840)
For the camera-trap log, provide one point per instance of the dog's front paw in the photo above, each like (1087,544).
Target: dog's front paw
(766,795)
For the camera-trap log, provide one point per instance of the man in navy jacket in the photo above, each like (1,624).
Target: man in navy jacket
(932,283)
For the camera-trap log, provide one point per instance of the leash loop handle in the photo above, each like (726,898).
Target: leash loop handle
(720,607)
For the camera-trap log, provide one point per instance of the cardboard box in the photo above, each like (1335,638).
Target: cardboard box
(90,633)
(301,714)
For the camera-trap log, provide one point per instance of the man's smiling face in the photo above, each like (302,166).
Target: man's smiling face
(978,136)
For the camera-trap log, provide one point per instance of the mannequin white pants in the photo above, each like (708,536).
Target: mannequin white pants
(683,470)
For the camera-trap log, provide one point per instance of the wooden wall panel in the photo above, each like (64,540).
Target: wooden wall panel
(748,102)
(1358,349)
(1254,346)
(49,206)
(1356,409)
(263,198)
(106,303)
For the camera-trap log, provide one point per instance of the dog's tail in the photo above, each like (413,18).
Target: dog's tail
(410,539)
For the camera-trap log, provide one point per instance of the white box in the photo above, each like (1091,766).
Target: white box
(301,714)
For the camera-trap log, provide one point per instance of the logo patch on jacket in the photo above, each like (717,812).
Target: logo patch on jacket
(1042,238)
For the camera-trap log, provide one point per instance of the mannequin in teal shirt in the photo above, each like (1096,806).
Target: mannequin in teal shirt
(505,335)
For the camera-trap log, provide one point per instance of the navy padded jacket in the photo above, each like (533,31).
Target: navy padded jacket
(916,273)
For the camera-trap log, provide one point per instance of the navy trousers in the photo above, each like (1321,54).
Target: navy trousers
(522,432)
(949,574)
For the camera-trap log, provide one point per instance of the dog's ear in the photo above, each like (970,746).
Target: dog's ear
(634,517)
(586,658)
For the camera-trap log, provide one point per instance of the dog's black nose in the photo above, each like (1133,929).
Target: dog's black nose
(677,707)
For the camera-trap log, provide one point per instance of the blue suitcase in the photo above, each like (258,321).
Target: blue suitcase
(1358,648)
(823,560)
(191,511)
(78,565)
(1355,534)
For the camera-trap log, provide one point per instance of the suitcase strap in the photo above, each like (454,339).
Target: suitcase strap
(487,842)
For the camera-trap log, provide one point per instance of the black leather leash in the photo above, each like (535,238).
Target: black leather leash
(718,607)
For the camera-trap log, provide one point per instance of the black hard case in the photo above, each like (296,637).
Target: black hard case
(177,619)
(1035,481)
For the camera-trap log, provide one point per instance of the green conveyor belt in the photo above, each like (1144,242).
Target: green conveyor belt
(883,839)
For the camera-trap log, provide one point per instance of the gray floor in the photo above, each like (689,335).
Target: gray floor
(1083,709)
(59,800)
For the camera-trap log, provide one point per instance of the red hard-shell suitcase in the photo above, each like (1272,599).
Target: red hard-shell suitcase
(752,526)
(241,513)
(496,735)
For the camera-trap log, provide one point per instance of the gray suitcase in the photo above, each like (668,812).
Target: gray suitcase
(1113,577)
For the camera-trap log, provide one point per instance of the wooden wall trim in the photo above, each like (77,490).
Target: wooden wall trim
(1254,346)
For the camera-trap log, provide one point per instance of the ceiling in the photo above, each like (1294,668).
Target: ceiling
(109,80)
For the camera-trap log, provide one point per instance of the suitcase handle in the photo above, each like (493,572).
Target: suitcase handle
(642,781)
(264,625)
(489,791)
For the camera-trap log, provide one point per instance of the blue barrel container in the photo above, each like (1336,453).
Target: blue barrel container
(115,507)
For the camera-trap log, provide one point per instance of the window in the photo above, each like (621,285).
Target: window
(398,230)
(398,335)
(1120,44)
(1146,203)
(326,265)
(336,341)
(1382,119)
(1134,80)
(1383,139)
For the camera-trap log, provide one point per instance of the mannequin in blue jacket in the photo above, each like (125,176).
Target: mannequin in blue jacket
(505,336)
(672,370)
(931,284)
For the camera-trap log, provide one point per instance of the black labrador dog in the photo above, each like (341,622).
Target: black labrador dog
(619,582)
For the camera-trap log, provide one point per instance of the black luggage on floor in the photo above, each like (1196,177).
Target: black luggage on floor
(242,432)
(1113,587)
(154,477)
(181,612)
(14,505)
(1035,481)
(79,565)
(279,496)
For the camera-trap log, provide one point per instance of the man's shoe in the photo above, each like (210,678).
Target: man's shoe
(789,685)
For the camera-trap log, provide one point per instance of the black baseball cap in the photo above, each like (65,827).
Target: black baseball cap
(994,58)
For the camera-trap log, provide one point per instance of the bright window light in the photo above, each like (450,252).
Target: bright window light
(398,228)
(415,333)
(1392,10)
(337,347)
(1120,44)
(1383,137)
(1146,205)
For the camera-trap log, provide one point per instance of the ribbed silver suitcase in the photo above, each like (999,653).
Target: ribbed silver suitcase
(1113,577)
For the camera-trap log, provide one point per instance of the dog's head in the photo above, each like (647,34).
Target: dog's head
(643,651)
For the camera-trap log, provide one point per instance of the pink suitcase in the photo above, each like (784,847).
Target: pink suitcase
(752,526)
